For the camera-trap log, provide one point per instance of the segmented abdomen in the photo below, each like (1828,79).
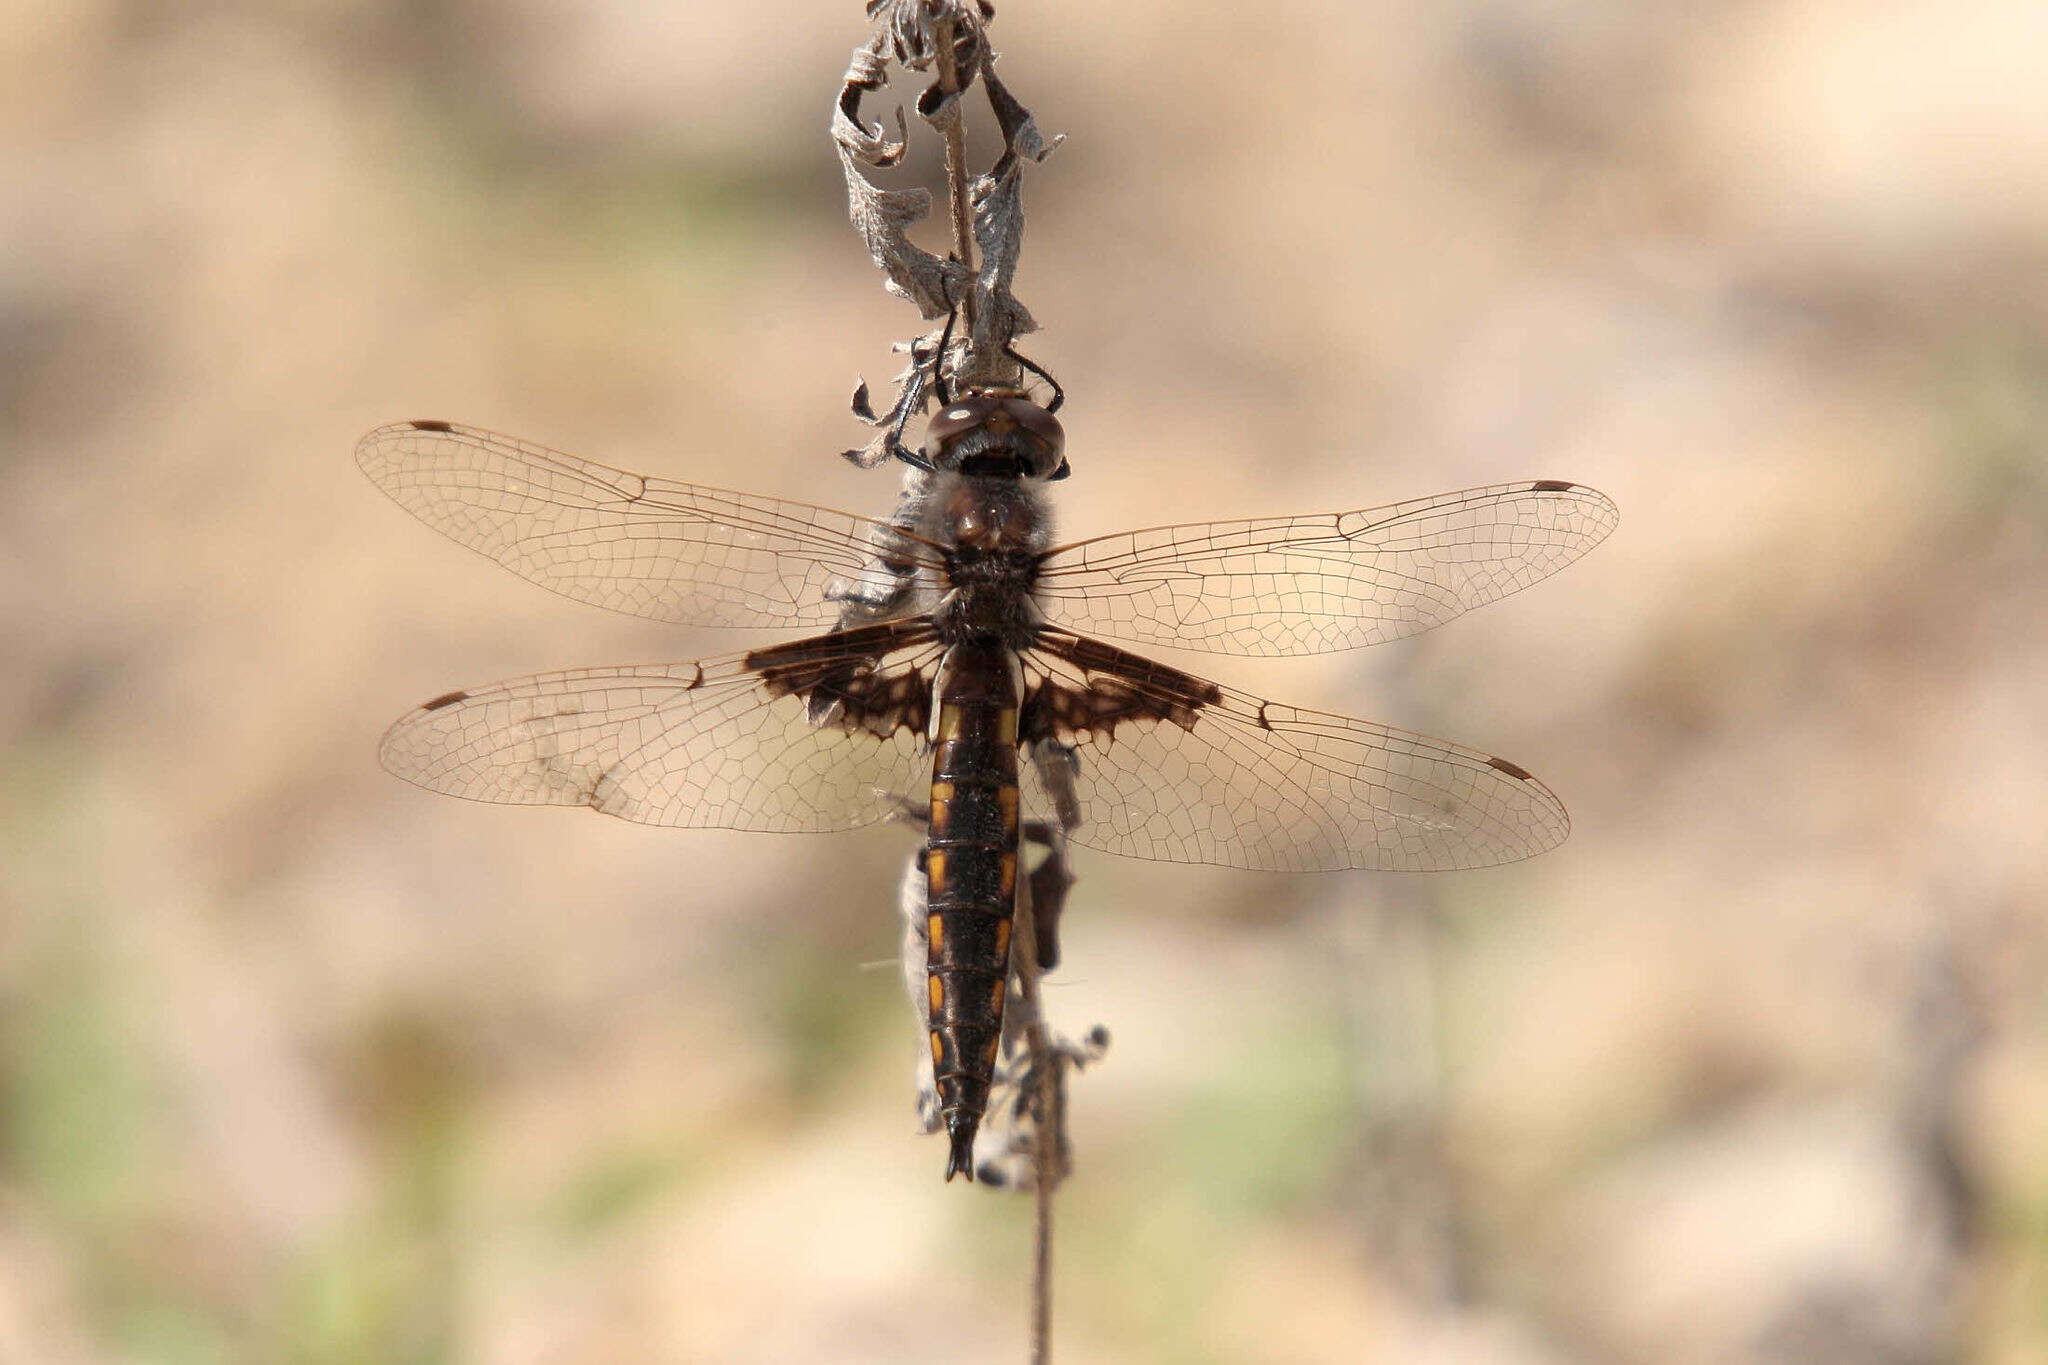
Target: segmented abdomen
(970,862)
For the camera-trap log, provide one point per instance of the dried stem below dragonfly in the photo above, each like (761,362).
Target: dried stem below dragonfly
(1050,1135)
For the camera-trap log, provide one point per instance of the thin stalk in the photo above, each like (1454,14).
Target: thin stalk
(956,165)
(1049,1132)
(1044,1066)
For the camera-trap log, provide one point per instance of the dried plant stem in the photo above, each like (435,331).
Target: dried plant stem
(1041,1230)
(1044,1064)
(1049,1135)
(982,320)
(956,164)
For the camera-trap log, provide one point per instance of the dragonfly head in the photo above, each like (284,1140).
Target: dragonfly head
(996,433)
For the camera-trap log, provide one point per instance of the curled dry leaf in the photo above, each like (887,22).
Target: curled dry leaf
(907,34)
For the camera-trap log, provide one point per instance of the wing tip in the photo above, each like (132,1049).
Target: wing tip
(1544,825)
(1584,493)
(377,437)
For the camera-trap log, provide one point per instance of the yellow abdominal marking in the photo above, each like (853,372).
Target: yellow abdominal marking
(935,934)
(1006,800)
(1008,869)
(1003,939)
(936,990)
(938,1051)
(995,999)
(949,723)
(1006,725)
(942,804)
(935,871)
(988,1063)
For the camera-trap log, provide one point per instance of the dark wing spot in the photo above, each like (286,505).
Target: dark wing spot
(432,426)
(1552,486)
(839,675)
(1518,773)
(839,647)
(1264,724)
(1120,686)
(447,700)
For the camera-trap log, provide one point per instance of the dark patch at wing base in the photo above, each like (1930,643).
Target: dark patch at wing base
(840,678)
(1121,686)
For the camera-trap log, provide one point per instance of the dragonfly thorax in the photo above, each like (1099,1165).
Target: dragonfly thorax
(986,613)
(994,531)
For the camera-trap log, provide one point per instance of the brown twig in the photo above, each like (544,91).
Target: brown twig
(1050,1134)
(1037,1042)
(956,160)
(987,221)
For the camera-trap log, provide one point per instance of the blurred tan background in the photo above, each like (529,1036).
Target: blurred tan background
(301,1064)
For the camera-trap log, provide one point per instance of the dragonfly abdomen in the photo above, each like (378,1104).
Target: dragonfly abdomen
(970,861)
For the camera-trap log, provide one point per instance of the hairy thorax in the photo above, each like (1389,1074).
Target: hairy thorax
(994,531)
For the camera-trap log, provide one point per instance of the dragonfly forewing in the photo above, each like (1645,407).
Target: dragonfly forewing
(1326,581)
(627,542)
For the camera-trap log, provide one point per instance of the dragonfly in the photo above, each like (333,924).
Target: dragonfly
(957,654)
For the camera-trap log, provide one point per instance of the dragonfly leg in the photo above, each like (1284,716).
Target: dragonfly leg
(1050,880)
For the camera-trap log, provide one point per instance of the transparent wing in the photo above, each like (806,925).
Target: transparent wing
(643,546)
(803,738)
(1333,580)
(1174,768)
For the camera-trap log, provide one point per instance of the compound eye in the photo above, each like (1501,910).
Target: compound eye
(953,421)
(1049,439)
